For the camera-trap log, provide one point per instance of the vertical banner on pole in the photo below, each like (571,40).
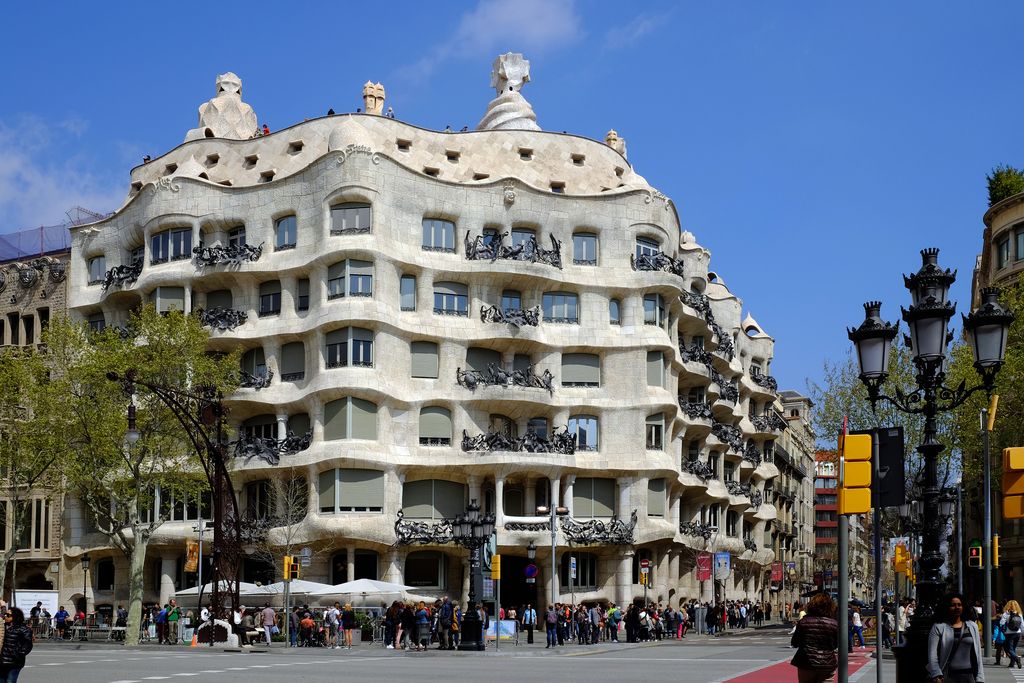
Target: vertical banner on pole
(777,572)
(704,567)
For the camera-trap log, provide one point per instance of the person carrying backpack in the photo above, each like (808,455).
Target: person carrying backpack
(1010,624)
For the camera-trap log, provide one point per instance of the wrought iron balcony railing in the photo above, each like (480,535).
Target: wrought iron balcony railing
(594,531)
(493,247)
(735,488)
(259,381)
(222,319)
(766,381)
(119,276)
(270,450)
(696,411)
(498,376)
(751,454)
(658,261)
(728,434)
(697,530)
(231,255)
(563,442)
(700,303)
(697,468)
(422,533)
(696,354)
(519,317)
(527,526)
(749,544)
(729,391)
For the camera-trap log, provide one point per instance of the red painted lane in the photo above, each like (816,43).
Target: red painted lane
(784,672)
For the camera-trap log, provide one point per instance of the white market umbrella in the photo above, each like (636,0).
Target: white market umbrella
(364,587)
(298,587)
(243,589)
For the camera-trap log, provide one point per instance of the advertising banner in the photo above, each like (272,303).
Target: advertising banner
(704,567)
(191,556)
(723,565)
(776,571)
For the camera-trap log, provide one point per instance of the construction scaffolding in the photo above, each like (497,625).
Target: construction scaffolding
(46,239)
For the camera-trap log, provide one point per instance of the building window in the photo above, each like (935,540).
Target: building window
(435,426)
(581,370)
(593,497)
(349,346)
(350,418)
(286,233)
(538,426)
(586,570)
(654,309)
(732,523)
(426,569)
(511,300)
(696,395)
(713,459)
(523,238)
(171,245)
(137,255)
(219,298)
(655,497)
(1003,252)
(451,298)
(1019,238)
(656,432)
(97,270)
(697,340)
(561,307)
(350,278)
(481,359)
(615,312)
(97,323)
(438,235)
(260,427)
(105,574)
(167,299)
(729,472)
(350,219)
(270,298)
(655,369)
(254,363)
(258,502)
(585,429)
(302,295)
(424,359)
(433,499)
(584,249)
(293,362)
(407,293)
(351,490)
(646,248)
(236,237)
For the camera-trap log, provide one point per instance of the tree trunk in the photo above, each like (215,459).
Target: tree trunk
(136,576)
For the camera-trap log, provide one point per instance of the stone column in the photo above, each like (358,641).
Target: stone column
(674,510)
(555,486)
(624,583)
(394,569)
(673,573)
(529,497)
(350,562)
(663,581)
(499,500)
(473,484)
(168,565)
(187,303)
(289,287)
(282,427)
(570,480)
(624,510)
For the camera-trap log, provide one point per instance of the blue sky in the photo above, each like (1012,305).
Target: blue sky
(814,148)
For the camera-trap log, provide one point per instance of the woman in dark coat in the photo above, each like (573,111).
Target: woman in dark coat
(16,646)
(816,638)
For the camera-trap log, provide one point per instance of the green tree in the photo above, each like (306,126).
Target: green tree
(117,481)
(1004,181)
(30,457)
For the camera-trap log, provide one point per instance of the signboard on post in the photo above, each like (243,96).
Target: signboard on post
(191,557)
(572,567)
(306,557)
(723,565)
(704,567)
(531,573)
(776,571)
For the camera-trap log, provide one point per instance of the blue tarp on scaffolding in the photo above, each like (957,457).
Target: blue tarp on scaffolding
(35,242)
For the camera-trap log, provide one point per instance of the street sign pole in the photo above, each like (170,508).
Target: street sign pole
(876,483)
(844,599)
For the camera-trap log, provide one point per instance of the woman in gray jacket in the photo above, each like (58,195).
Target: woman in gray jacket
(954,646)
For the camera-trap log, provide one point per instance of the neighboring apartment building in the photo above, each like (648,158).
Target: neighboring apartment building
(506,315)
(794,491)
(33,289)
(999,264)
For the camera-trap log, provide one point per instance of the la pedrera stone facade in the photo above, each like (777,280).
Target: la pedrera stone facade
(507,315)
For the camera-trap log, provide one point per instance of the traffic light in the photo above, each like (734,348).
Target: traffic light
(995,551)
(901,560)
(291,568)
(974,557)
(855,474)
(1013,483)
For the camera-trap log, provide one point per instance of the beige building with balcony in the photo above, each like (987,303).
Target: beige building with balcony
(504,315)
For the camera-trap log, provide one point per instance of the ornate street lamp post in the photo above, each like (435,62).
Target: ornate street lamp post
(86,562)
(928,319)
(472,530)
(201,416)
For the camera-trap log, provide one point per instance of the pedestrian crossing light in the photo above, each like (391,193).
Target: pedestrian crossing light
(291,568)
(974,556)
(855,474)
(901,560)
(1013,483)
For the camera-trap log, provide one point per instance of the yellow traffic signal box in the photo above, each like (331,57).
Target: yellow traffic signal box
(855,474)
(901,560)
(1013,483)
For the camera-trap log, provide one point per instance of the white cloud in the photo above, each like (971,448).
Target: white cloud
(641,25)
(38,182)
(496,26)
